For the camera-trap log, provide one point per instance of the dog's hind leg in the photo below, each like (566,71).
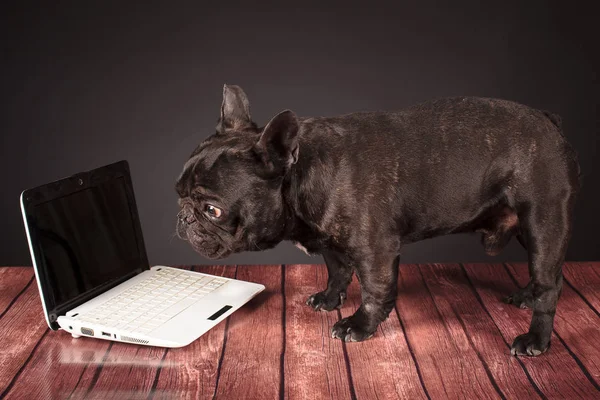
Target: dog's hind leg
(547,229)
(522,298)
(495,237)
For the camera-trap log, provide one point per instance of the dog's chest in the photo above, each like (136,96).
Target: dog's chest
(311,247)
(301,247)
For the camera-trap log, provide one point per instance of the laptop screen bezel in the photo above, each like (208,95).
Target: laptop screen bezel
(65,187)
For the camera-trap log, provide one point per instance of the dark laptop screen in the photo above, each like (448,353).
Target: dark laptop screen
(86,239)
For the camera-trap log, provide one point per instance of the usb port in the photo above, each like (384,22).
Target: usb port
(106,334)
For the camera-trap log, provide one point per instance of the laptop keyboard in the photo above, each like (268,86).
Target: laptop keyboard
(152,302)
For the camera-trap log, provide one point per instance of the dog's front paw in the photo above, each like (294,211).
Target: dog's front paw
(523,298)
(529,344)
(326,301)
(350,331)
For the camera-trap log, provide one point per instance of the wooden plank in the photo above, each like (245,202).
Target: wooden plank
(23,325)
(127,370)
(60,366)
(314,363)
(191,372)
(584,278)
(382,367)
(449,366)
(252,363)
(555,372)
(575,323)
(13,281)
(474,329)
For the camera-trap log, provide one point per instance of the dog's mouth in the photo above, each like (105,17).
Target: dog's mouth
(203,243)
(213,251)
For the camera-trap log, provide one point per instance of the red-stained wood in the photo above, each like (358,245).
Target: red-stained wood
(125,369)
(21,328)
(449,366)
(251,366)
(12,281)
(314,363)
(473,329)
(60,368)
(584,277)
(555,372)
(191,372)
(454,321)
(382,367)
(575,323)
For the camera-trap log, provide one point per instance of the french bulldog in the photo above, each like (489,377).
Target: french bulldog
(357,187)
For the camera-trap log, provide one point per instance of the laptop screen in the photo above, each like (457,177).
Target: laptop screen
(86,239)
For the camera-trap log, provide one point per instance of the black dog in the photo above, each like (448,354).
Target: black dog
(356,187)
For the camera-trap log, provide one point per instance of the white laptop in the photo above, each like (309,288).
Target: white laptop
(92,271)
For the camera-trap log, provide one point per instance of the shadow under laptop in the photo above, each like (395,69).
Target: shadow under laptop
(258,301)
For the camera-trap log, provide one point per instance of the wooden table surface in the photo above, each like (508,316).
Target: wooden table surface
(448,337)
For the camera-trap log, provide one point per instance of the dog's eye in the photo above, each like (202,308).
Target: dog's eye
(212,211)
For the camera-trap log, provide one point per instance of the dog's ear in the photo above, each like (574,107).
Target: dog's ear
(235,110)
(278,144)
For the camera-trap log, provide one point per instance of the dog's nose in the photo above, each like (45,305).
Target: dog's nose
(187,217)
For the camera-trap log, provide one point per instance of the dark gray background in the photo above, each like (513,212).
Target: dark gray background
(86,85)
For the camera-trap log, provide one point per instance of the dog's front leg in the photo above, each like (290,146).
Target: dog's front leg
(339,277)
(378,277)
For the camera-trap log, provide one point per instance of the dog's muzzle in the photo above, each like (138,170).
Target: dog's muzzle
(190,230)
